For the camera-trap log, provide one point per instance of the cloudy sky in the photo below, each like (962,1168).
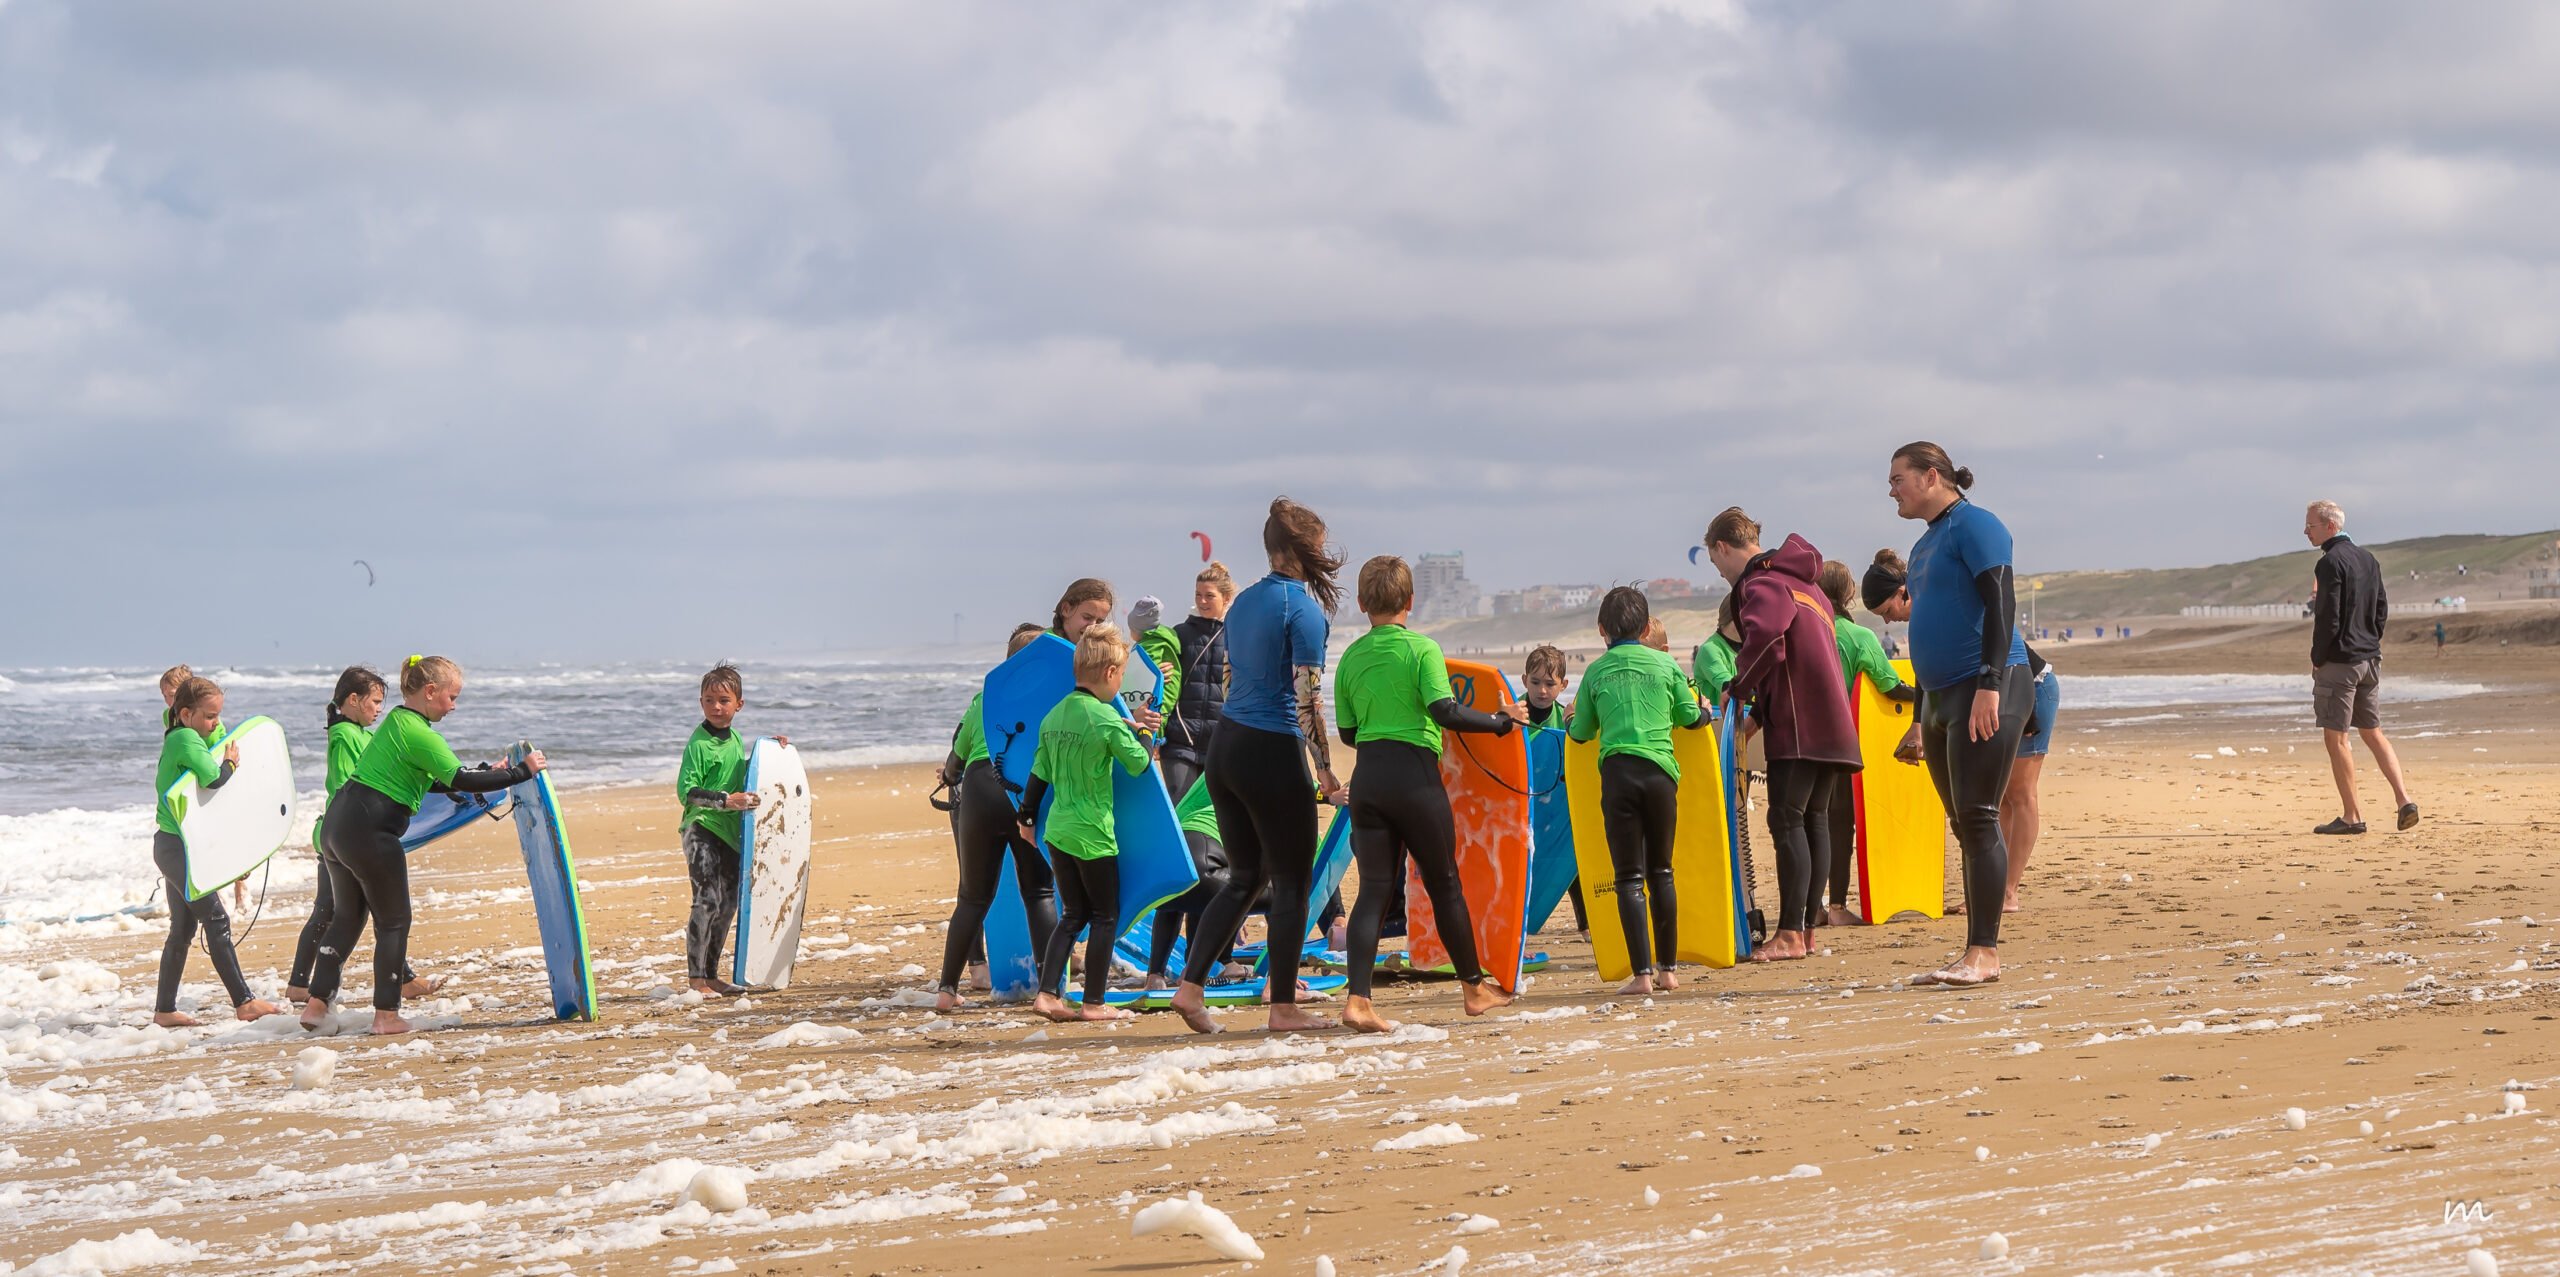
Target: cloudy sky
(637,329)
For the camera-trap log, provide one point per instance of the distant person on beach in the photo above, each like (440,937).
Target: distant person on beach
(2439,638)
(2347,618)
(1976,689)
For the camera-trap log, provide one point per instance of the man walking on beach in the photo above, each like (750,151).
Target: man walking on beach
(2347,618)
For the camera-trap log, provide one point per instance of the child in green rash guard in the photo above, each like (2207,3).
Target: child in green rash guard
(1161,644)
(1393,699)
(984,834)
(194,718)
(1632,698)
(1711,665)
(711,783)
(170,678)
(368,870)
(354,708)
(1080,742)
(1542,683)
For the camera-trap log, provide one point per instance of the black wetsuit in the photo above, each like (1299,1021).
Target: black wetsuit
(369,876)
(986,828)
(1400,808)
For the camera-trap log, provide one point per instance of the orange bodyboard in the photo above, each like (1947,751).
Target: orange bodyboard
(1489,799)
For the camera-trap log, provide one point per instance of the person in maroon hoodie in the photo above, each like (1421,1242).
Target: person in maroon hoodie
(1788,667)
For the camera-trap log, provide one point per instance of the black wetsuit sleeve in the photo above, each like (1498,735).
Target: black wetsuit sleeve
(953,767)
(1999,592)
(222,777)
(1349,734)
(489,780)
(1452,716)
(1032,792)
(1907,693)
(698,796)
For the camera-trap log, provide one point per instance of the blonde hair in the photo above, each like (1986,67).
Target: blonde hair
(419,673)
(1099,648)
(171,677)
(1217,576)
(2327,512)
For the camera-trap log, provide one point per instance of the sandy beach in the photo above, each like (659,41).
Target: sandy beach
(2191,968)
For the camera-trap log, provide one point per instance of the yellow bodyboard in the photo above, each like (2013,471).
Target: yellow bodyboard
(1902,828)
(1702,870)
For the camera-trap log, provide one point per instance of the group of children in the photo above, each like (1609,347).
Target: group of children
(377,778)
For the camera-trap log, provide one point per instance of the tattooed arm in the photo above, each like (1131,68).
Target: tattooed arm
(1310,680)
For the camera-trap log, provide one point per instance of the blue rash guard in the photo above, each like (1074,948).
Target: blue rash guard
(1947,609)
(1273,628)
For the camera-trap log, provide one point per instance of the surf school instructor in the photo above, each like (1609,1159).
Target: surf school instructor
(1975,690)
(1270,728)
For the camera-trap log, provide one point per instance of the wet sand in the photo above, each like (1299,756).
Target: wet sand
(2192,964)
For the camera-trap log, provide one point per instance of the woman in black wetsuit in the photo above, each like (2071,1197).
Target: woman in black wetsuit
(1194,720)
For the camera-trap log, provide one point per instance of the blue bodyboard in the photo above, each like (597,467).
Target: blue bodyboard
(1734,820)
(562,920)
(1155,861)
(442,814)
(1551,866)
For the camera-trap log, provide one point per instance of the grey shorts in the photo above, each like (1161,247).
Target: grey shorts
(2343,695)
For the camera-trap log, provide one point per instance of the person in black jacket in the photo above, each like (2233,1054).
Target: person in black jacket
(1204,679)
(2347,617)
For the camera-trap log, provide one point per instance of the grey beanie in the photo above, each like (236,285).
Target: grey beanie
(1146,614)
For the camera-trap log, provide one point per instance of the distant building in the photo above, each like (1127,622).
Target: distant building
(1671,587)
(2542,580)
(1441,590)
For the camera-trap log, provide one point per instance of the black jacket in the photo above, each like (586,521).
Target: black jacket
(1204,687)
(2350,610)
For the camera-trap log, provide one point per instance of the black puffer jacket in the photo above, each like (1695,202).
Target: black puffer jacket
(1204,687)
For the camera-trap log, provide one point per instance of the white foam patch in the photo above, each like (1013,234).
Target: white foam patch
(1436,1135)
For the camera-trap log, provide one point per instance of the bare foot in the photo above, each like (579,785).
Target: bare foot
(1286,1017)
(175,1020)
(389,1023)
(1664,981)
(716,988)
(1306,994)
(1642,984)
(1782,946)
(1153,983)
(1357,1013)
(1191,1002)
(1049,1006)
(1841,916)
(978,982)
(256,1009)
(423,986)
(1103,1014)
(949,1000)
(297,993)
(1956,910)
(2009,905)
(1977,966)
(1480,997)
(315,1013)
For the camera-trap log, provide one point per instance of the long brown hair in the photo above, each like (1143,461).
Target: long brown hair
(1083,590)
(1837,583)
(1925,455)
(1296,534)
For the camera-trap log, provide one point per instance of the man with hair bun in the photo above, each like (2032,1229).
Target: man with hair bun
(2347,617)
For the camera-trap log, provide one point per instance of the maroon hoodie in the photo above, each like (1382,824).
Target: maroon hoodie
(1788,662)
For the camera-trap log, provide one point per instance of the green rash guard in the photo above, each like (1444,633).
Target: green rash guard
(1861,652)
(406,758)
(714,764)
(347,741)
(1079,741)
(970,740)
(1164,647)
(1631,699)
(1387,682)
(182,752)
(1196,814)
(1712,668)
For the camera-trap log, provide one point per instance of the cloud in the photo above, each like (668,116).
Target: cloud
(930,308)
